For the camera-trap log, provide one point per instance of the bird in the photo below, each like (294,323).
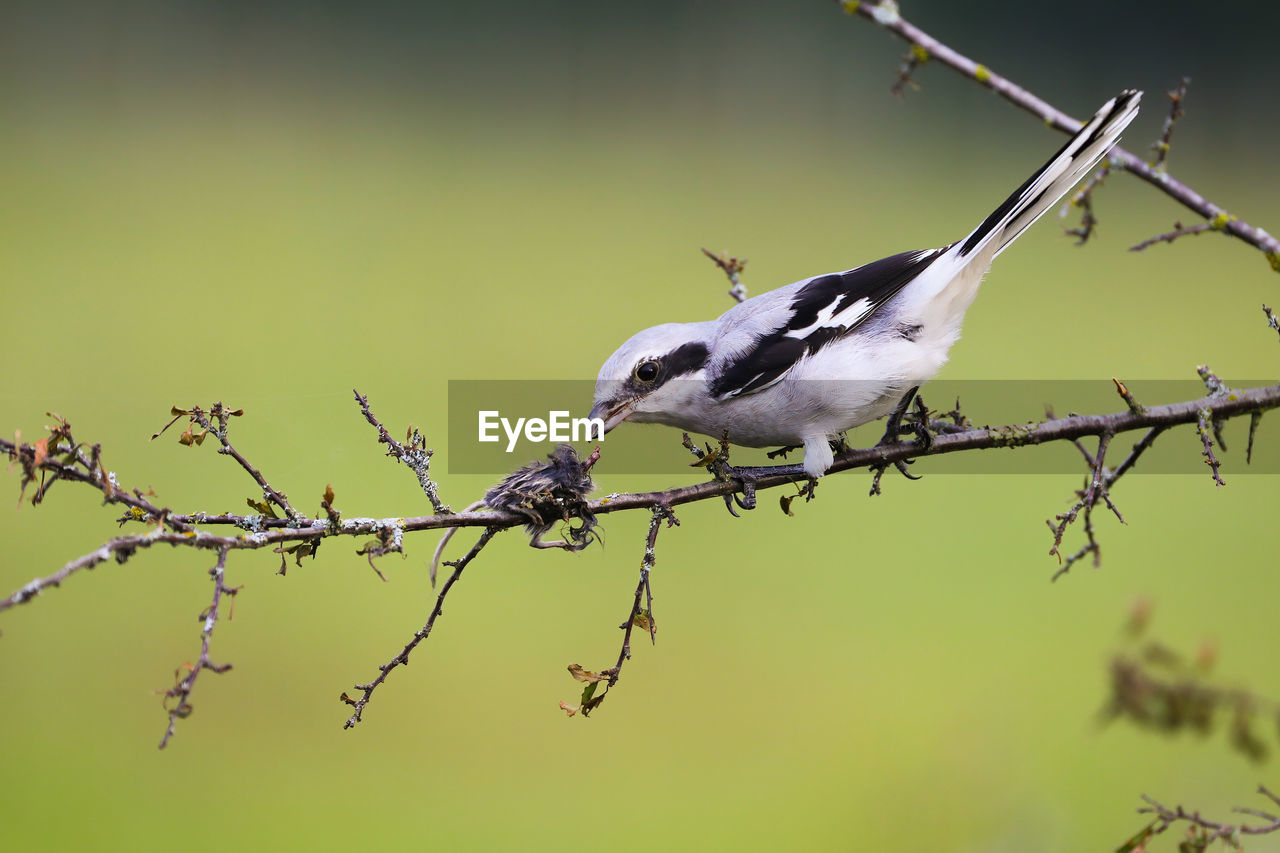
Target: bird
(801,364)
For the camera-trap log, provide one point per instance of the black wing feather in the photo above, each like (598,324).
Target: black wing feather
(778,351)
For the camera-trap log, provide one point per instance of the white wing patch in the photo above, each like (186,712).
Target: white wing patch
(827,319)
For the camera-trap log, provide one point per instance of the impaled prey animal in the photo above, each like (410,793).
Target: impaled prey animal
(544,493)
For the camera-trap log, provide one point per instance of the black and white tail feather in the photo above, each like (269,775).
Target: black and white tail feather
(803,363)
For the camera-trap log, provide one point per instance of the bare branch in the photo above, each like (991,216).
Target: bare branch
(1161,145)
(402,659)
(262,533)
(181,690)
(886,14)
(416,456)
(1213,830)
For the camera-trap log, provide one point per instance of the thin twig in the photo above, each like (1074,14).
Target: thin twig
(1216,829)
(886,14)
(358,705)
(732,267)
(1161,145)
(1179,231)
(416,456)
(181,690)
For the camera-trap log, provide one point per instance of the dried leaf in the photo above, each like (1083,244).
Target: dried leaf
(785,502)
(262,507)
(645,622)
(187,438)
(567,708)
(328,494)
(41,452)
(586,675)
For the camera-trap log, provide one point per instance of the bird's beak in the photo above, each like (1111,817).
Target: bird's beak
(613,412)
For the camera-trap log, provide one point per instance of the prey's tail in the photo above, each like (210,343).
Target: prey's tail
(1054,179)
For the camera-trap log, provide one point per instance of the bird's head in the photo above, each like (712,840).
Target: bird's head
(650,377)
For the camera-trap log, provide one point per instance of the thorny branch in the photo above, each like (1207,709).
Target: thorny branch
(637,616)
(886,14)
(416,456)
(262,532)
(181,690)
(402,659)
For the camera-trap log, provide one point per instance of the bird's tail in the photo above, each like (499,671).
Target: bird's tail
(1054,179)
(941,294)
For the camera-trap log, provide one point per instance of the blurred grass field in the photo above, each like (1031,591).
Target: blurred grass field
(889,673)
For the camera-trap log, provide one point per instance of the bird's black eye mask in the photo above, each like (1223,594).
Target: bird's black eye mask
(653,373)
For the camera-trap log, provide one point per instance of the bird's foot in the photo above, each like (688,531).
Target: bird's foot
(905,420)
(716,460)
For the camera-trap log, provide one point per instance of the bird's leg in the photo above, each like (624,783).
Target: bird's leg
(894,428)
(723,470)
(782,452)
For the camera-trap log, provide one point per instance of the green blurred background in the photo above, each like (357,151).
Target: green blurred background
(270,203)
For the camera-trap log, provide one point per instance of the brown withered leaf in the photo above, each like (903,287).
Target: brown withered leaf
(645,622)
(41,448)
(262,507)
(328,494)
(585,675)
(785,502)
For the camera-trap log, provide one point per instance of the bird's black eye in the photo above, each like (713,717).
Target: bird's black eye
(647,371)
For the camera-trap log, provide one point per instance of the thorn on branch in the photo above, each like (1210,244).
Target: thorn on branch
(1127,396)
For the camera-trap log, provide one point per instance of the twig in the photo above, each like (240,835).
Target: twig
(732,267)
(1272,320)
(1161,145)
(416,456)
(1179,230)
(1083,199)
(659,515)
(216,422)
(592,696)
(1203,420)
(886,14)
(1230,832)
(402,659)
(181,690)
